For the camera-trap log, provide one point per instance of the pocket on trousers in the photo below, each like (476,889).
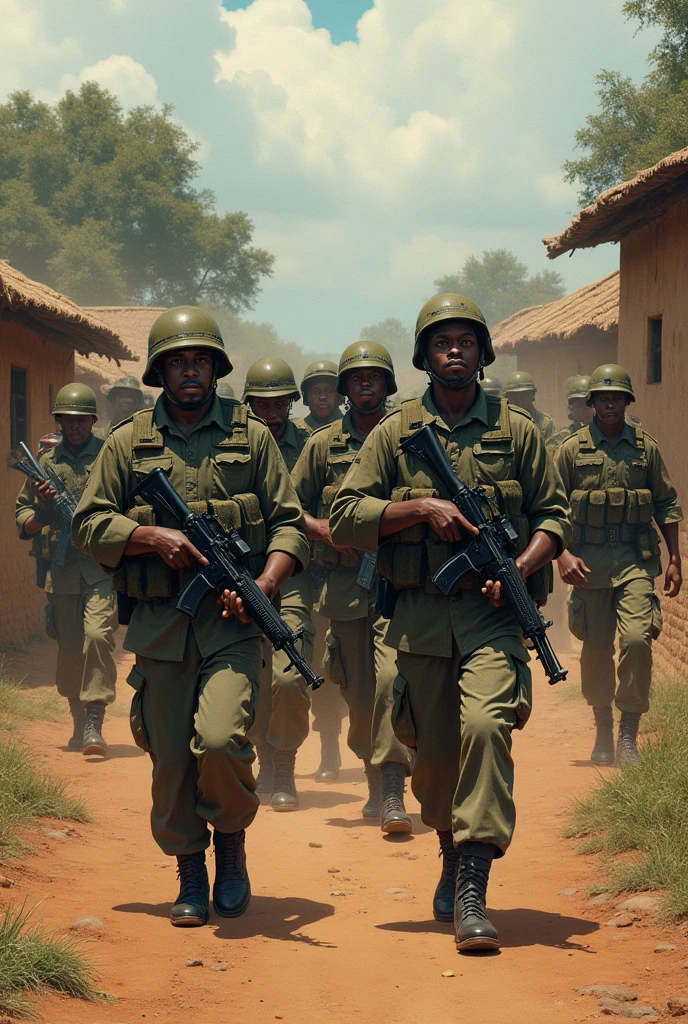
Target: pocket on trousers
(657,619)
(402,718)
(524,691)
(576,609)
(50,621)
(332,660)
(138,727)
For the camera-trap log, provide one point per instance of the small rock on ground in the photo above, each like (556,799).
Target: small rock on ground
(333,871)
(54,833)
(641,902)
(597,901)
(315,846)
(394,892)
(621,992)
(222,965)
(568,892)
(88,924)
(194,962)
(666,948)
(636,1011)
(677,1006)
(6,883)
(619,921)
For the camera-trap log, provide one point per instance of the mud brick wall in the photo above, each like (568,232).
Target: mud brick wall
(671,650)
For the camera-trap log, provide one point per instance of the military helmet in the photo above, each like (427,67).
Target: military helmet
(224,389)
(364,355)
(610,377)
(321,368)
(147,399)
(75,400)
(127,383)
(491,386)
(519,380)
(578,387)
(270,378)
(184,327)
(450,306)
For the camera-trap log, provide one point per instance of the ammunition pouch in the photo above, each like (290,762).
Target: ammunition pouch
(323,554)
(147,578)
(616,515)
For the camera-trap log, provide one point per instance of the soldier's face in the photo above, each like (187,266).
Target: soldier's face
(322,399)
(76,430)
(273,410)
(188,374)
(365,389)
(125,402)
(453,349)
(609,406)
(579,412)
(523,399)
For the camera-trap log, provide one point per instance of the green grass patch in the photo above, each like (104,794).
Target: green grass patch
(32,961)
(638,817)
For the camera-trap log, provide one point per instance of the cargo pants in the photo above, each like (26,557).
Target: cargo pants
(459,713)
(83,625)
(595,615)
(358,661)
(193,717)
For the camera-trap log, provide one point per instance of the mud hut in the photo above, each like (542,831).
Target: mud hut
(40,331)
(648,216)
(569,336)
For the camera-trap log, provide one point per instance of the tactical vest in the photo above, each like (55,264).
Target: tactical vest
(613,515)
(410,558)
(337,452)
(147,577)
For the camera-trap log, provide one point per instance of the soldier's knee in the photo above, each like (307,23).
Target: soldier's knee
(94,633)
(484,727)
(635,639)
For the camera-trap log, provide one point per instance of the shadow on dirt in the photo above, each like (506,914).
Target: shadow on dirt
(518,927)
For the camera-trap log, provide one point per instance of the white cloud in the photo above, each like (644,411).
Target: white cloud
(128,81)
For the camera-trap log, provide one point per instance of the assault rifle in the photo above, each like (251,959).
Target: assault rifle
(226,571)
(64,503)
(489,554)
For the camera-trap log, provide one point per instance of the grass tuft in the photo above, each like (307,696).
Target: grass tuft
(638,817)
(32,961)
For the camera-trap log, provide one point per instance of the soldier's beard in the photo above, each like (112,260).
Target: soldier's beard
(454,383)
(196,403)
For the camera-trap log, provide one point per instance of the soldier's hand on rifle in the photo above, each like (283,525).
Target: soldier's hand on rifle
(172,546)
(444,518)
(572,569)
(46,492)
(234,606)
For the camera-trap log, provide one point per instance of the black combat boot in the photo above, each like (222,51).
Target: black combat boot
(473,929)
(445,893)
(232,888)
(627,743)
(265,771)
(603,751)
(371,808)
(284,795)
(191,906)
(393,816)
(76,741)
(330,758)
(93,736)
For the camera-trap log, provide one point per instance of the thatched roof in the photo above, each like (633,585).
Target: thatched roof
(56,317)
(626,207)
(132,324)
(594,307)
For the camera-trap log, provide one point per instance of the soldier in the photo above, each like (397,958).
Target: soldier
(319,393)
(463,681)
(125,397)
(580,413)
(80,613)
(356,657)
(195,680)
(491,386)
(617,483)
(520,390)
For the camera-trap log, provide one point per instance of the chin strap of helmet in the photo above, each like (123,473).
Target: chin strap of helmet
(173,400)
(348,404)
(455,383)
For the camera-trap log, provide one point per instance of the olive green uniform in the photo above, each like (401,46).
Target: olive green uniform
(545,424)
(356,658)
(80,612)
(196,680)
(615,491)
(315,424)
(463,680)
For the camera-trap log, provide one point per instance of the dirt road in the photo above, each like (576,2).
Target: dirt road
(340,925)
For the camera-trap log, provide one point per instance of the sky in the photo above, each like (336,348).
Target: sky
(374,143)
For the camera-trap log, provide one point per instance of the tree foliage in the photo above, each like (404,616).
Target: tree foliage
(102,205)
(499,283)
(637,125)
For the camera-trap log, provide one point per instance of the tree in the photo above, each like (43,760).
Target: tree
(499,283)
(102,204)
(637,125)
(396,338)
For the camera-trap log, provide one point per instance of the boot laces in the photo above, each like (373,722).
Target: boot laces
(192,879)
(450,858)
(472,887)
(283,772)
(228,853)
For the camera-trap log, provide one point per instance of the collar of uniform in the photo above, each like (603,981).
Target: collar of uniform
(161,418)
(478,411)
(349,430)
(314,423)
(289,438)
(63,455)
(598,438)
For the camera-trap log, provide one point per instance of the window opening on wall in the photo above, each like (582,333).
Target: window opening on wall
(654,350)
(19,427)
